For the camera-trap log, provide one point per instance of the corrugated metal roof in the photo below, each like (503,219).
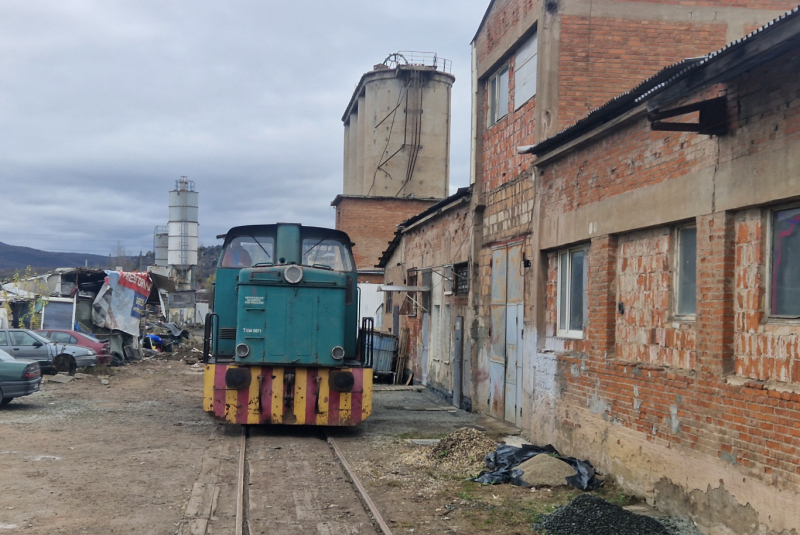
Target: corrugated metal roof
(657,83)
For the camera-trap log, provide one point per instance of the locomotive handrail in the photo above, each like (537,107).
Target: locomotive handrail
(367,342)
(208,328)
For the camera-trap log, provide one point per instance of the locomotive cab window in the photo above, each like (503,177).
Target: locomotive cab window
(247,251)
(330,254)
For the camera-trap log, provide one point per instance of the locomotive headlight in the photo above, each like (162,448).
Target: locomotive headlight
(242,350)
(293,274)
(337,353)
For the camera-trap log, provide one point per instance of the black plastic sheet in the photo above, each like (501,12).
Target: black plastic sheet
(502,464)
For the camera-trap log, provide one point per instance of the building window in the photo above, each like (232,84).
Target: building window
(448,280)
(427,282)
(785,279)
(461,274)
(572,292)
(498,95)
(409,307)
(525,64)
(686,272)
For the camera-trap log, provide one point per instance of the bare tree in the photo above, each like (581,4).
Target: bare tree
(119,258)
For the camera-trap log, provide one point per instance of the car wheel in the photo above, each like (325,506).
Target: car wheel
(65,363)
(5,401)
(117,359)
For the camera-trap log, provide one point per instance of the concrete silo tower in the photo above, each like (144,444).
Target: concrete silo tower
(161,246)
(183,231)
(396,151)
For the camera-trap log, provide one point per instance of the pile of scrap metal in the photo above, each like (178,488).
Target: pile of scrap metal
(107,304)
(163,337)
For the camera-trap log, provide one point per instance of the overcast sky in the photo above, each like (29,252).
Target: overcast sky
(104,104)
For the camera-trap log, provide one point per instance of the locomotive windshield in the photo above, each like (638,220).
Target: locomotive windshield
(329,253)
(247,251)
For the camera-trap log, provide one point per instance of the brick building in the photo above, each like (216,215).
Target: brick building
(664,297)
(538,67)
(428,297)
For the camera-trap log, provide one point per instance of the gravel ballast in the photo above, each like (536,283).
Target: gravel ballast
(591,515)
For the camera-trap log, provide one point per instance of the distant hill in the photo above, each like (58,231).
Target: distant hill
(14,257)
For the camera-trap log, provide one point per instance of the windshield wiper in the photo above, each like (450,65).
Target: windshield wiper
(307,253)
(262,247)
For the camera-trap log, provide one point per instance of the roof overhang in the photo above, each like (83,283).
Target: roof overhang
(403,288)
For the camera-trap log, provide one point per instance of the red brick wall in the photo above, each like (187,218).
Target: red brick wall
(603,57)
(634,157)
(763,350)
(725,386)
(505,14)
(371,224)
(501,161)
(646,332)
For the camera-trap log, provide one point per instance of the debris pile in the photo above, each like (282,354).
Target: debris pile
(590,515)
(461,452)
(503,467)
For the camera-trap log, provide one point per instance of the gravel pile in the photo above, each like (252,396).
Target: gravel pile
(591,515)
(545,471)
(678,526)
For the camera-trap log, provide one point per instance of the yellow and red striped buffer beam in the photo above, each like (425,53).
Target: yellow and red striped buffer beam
(283,395)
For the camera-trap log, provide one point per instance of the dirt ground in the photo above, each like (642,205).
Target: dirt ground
(86,457)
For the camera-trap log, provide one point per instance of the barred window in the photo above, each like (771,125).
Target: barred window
(461,275)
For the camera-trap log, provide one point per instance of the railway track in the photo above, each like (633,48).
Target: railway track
(284,481)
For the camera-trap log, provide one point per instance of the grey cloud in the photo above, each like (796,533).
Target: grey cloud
(103,104)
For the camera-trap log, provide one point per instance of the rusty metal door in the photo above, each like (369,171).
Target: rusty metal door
(514,322)
(458,347)
(505,359)
(426,326)
(497,340)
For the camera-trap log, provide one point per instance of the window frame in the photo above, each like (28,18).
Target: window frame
(568,333)
(410,298)
(676,265)
(492,86)
(519,67)
(448,279)
(770,271)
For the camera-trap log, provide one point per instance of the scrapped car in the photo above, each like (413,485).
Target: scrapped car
(52,357)
(76,338)
(17,377)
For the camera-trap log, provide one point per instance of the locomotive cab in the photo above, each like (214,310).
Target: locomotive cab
(286,307)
